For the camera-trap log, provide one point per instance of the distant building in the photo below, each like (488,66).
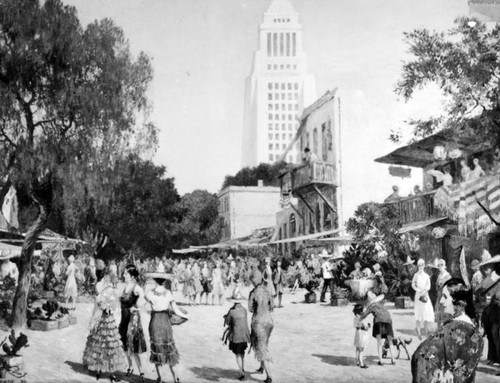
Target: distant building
(312,191)
(247,208)
(278,88)
(485,10)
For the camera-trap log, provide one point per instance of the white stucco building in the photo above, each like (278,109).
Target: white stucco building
(247,208)
(278,88)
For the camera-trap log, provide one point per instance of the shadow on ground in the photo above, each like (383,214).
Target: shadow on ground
(214,374)
(339,360)
(81,369)
(405,331)
(406,314)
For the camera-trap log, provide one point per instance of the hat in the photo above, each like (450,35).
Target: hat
(495,259)
(230,257)
(434,264)
(372,298)
(474,264)
(159,273)
(256,277)
(485,255)
(324,254)
(337,257)
(409,261)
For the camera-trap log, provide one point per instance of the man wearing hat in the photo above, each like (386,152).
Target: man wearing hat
(326,269)
(477,276)
(238,333)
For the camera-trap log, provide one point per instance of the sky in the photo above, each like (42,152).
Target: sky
(201,52)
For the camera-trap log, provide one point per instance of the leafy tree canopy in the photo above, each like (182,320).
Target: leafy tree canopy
(249,176)
(465,65)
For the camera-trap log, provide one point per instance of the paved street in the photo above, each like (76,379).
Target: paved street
(310,343)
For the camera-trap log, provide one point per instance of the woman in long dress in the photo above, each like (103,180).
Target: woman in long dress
(260,303)
(217,283)
(424,313)
(70,289)
(163,350)
(130,328)
(104,350)
(188,290)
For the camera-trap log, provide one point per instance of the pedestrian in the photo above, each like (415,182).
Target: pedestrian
(326,269)
(218,285)
(70,289)
(382,323)
(104,349)
(268,277)
(238,333)
(452,353)
(260,304)
(206,281)
(163,350)
(361,335)
(279,281)
(188,290)
(130,328)
(442,277)
(424,313)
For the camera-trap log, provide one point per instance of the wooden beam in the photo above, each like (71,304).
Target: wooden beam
(298,212)
(305,202)
(332,208)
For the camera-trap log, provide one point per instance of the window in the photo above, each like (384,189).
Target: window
(289,86)
(282,96)
(277,126)
(283,107)
(289,107)
(270,146)
(283,116)
(290,117)
(270,86)
(270,126)
(270,157)
(318,217)
(296,96)
(292,224)
(296,106)
(289,96)
(270,116)
(270,106)
(283,86)
(276,85)
(270,136)
(269,96)
(276,117)
(283,146)
(277,136)
(296,86)
(308,142)
(290,127)
(283,136)
(283,126)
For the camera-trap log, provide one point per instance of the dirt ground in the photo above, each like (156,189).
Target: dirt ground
(309,343)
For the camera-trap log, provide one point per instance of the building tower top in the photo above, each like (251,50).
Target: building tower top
(281,13)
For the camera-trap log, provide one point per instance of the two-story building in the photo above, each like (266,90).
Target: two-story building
(461,178)
(311,191)
(245,209)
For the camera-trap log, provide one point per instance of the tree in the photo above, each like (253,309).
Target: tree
(200,223)
(247,176)
(72,101)
(465,65)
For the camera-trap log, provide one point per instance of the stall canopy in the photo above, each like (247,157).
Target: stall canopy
(420,225)
(306,237)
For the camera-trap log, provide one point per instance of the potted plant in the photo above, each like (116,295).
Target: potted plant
(50,316)
(10,361)
(311,286)
(339,297)
(400,289)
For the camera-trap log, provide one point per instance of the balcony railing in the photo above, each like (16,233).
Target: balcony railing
(314,172)
(416,208)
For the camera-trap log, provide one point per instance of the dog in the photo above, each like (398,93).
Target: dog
(398,342)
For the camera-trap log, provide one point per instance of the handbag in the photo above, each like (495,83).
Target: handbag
(176,320)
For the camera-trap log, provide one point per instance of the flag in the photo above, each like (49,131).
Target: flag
(463,267)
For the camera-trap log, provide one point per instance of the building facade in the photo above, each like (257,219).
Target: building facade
(278,88)
(485,10)
(245,209)
(311,193)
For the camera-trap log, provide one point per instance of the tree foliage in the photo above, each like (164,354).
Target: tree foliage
(465,65)
(72,102)
(249,176)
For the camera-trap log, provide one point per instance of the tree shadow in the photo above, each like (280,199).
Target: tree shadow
(410,332)
(339,360)
(406,314)
(214,374)
(81,369)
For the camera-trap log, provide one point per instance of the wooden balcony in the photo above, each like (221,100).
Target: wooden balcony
(416,208)
(312,173)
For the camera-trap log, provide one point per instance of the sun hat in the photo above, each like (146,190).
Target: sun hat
(494,259)
(372,298)
(474,264)
(324,254)
(159,273)
(409,261)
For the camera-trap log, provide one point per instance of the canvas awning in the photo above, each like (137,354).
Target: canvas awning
(184,251)
(305,237)
(344,240)
(420,225)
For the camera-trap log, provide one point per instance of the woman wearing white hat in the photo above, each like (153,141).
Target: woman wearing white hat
(424,313)
(163,350)
(382,322)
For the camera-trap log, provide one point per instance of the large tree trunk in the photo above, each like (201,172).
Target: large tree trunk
(23,284)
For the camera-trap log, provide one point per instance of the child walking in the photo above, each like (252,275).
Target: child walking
(361,335)
(237,333)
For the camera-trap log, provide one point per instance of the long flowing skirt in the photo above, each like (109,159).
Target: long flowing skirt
(131,332)
(163,350)
(259,338)
(104,351)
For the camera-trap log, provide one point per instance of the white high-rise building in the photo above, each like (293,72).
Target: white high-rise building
(278,89)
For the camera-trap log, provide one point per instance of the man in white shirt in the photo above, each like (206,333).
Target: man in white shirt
(326,269)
